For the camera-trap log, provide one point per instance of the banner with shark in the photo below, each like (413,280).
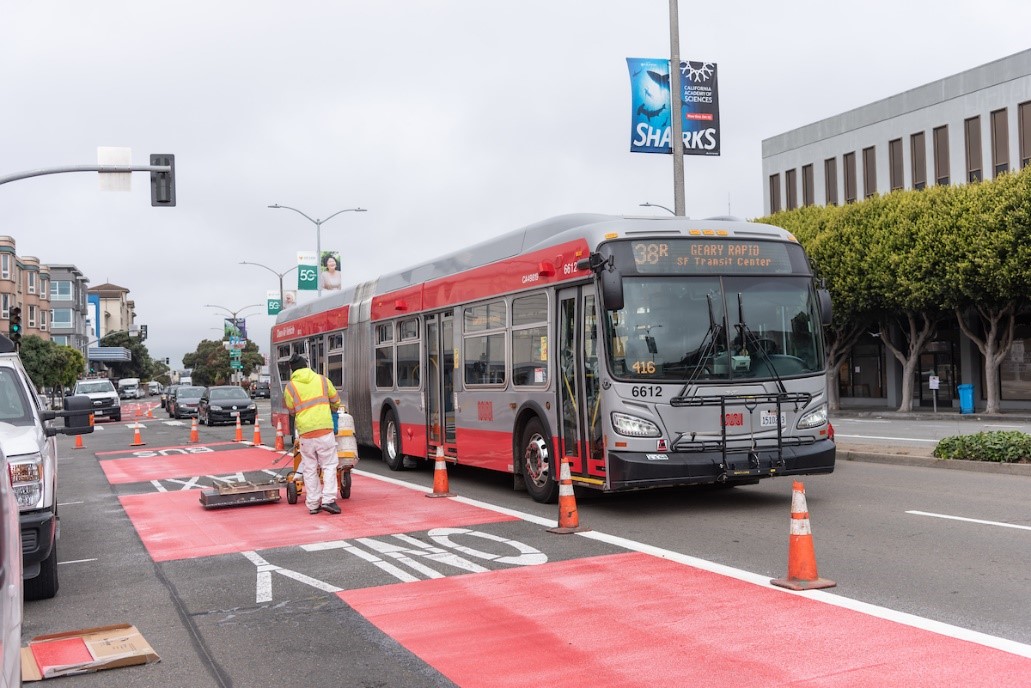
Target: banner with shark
(650,129)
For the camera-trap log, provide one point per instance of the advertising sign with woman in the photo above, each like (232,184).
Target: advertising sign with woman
(330,277)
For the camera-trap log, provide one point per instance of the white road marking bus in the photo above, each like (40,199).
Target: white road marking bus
(647,352)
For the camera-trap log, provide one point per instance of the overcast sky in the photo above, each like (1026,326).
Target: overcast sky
(451,121)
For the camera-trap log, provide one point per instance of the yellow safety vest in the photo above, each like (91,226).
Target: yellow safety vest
(311,398)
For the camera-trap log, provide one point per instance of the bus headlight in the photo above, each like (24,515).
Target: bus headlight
(632,426)
(813,419)
(27,480)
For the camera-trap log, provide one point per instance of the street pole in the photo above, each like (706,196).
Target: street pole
(234,314)
(280,275)
(318,237)
(677,141)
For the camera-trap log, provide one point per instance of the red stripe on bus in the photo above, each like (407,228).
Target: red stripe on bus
(328,321)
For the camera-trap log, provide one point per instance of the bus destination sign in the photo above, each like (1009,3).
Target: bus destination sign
(705,256)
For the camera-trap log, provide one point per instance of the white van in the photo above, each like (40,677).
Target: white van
(129,388)
(154,388)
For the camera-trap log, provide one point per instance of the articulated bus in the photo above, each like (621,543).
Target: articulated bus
(646,352)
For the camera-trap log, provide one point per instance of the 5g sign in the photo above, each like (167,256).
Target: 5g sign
(307,271)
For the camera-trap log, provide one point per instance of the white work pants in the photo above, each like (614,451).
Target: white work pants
(319,452)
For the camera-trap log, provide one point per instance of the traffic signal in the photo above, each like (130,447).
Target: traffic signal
(16,325)
(166,360)
(162,184)
(143,332)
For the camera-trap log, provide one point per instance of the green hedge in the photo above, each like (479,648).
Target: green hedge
(1001,447)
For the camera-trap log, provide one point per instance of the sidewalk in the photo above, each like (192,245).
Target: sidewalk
(855,450)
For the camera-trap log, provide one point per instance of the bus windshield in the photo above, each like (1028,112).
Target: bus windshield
(677,328)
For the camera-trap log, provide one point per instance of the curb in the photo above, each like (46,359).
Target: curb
(1022,469)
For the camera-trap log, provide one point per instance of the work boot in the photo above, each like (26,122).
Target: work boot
(331,507)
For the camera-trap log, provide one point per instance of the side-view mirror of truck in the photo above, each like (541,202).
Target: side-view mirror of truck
(77,414)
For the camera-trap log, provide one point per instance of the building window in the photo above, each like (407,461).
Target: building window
(1000,143)
(60,340)
(895,164)
(774,193)
(60,290)
(63,318)
(869,172)
(918,154)
(5,266)
(5,306)
(32,316)
(941,156)
(43,319)
(791,189)
(32,282)
(830,180)
(808,186)
(849,163)
(1024,133)
(972,130)
(44,289)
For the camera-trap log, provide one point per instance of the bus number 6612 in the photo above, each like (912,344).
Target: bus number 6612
(646,391)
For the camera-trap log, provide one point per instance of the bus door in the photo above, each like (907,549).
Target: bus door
(579,383)
(439,331)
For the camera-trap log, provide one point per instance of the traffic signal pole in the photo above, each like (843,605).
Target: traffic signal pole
(162,176)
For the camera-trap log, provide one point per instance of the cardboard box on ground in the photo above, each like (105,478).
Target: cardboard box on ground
(84,651)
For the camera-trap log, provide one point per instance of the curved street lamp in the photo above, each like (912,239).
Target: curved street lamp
(280,275)
(646,204)
(235,315)
(318,235)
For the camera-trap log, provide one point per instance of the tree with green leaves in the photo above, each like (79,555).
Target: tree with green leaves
(50,365)
(141,364)
(210,362)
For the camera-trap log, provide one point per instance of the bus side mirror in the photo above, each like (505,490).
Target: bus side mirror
(826,314)
(610,277)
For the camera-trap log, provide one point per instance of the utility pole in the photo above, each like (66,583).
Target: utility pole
(675,92)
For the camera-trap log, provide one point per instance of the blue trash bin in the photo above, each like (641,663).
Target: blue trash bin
(966,398)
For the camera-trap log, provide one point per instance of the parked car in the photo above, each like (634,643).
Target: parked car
(183,404)
(166,394)
(102,396)
(28,440)
(261,389)
(11,591)
(225,404)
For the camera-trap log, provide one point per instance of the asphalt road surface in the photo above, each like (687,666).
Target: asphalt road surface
(668,588)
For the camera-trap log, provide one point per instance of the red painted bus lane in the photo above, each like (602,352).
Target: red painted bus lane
(197,461)
(638,620)
(174,525)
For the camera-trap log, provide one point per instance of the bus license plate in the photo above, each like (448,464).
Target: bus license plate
(769,419)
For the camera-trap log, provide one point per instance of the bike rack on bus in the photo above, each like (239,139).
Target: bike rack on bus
(685,442)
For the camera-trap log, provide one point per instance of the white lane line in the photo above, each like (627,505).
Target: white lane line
(856,420)
(880,437)
(969,520)
(69,503)
(1001,425)
(920,622)
(75,561)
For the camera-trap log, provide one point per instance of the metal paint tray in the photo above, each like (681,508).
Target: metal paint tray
(239,494)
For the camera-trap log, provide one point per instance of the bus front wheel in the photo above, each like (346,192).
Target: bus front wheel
(390,442)
(538,463)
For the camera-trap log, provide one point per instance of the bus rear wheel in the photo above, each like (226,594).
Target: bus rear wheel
(390,442)
(538,463)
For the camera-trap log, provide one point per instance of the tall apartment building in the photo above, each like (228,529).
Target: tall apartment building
(965,128)
(26,283)
(117,312)
(69,313)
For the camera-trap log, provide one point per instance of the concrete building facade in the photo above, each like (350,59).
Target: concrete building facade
(965,128)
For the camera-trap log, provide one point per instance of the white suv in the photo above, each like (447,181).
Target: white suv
(103,396)
(27,438)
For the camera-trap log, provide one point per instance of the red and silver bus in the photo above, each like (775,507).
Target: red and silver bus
(647,352)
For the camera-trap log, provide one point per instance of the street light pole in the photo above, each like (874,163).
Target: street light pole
(280,275)
(234,314)
(646,204)
(318,236)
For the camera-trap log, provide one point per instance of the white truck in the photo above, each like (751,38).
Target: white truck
(129,388)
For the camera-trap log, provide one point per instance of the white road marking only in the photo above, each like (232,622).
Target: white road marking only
(75,561)
(969,520)
(880,437)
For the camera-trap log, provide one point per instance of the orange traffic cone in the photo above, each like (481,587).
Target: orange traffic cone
(801,556)
(279,437)
(78,442)
(568,519)
(137,441)
(150,412)
(239,431)
(440,488)
(257,431)
(194,435)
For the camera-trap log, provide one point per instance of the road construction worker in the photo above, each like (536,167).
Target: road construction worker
(312,400)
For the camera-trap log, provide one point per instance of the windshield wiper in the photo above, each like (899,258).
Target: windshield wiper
(707,349)
(748,337)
